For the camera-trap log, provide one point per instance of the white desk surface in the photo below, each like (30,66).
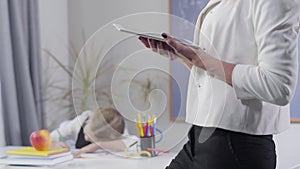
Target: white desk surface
(106,161)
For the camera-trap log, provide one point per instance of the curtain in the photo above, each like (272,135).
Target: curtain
(20,70)
(2,135)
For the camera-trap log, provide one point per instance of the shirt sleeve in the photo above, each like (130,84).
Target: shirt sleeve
(276,28)
(69,130)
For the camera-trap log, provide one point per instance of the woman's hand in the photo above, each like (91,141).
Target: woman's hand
(173,49)
(195,56)
(191,56)
(159,47)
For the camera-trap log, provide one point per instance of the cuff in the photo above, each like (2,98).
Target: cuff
(239,75)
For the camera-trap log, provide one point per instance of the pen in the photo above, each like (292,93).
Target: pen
(139,118)
(133,144)
(148,130)
(154,126)
(149,127)
(145,129)
(141,129)
(140,126)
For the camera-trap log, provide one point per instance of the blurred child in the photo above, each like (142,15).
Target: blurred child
(103,129)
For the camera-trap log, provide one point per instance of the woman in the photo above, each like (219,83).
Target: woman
(242,79)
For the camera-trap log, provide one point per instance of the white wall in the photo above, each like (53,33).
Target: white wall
(90,15)
(54,37)
(288,148)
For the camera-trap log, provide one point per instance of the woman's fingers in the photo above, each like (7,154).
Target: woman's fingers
(153,44)
(159,47)
(165,50)
(144,41)
(179,49)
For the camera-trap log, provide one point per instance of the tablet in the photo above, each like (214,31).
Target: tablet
(156,36)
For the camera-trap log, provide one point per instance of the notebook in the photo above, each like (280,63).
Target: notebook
(40,157)
(33,161)
(28,156)
(31,151)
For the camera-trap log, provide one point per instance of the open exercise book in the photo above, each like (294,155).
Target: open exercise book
(28,156)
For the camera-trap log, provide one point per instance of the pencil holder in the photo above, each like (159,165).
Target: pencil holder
(146,143)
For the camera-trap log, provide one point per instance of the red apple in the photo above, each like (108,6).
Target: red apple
(40,140)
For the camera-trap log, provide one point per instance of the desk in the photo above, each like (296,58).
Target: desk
(108,161)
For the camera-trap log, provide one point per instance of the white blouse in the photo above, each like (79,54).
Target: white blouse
(260,36)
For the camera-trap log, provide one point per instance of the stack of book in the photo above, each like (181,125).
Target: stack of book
(28,156)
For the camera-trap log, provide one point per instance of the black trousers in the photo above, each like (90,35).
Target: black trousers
(226,150)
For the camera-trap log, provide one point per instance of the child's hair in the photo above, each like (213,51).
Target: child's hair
(107,124)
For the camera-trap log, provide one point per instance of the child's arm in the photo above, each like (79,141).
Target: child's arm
(115,145)
(59,144)
(65,131)
(70,129)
